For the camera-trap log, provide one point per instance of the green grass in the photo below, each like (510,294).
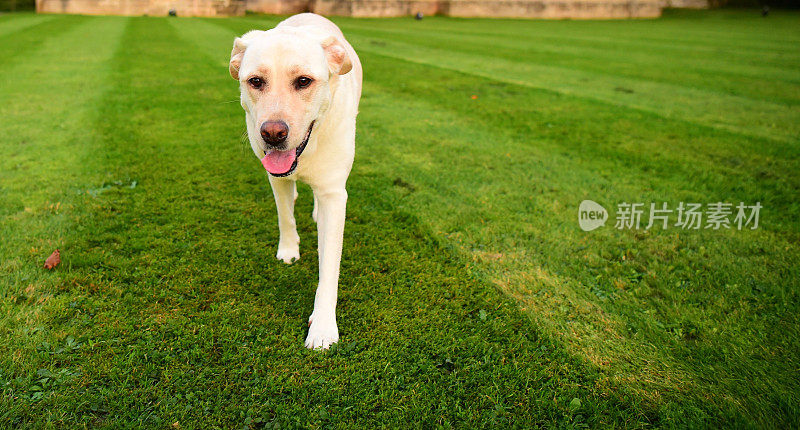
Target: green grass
(469,296)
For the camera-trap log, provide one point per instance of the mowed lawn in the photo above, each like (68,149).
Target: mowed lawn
(469,296)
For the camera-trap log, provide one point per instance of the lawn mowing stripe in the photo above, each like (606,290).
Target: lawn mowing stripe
(223,34)
(537,31)
(32,149)
(739,114)
(20,22)
(735,62)
(211,339)
(45,140)
(215,41)
(22,41)
(717,30)
(643,33)
(756,80)
(736,27)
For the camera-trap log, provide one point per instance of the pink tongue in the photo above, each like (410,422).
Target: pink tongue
(277,162)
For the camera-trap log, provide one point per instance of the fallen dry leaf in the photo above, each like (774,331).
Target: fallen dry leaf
(53,260)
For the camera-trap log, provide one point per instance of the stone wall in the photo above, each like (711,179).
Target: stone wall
(554,9)
(279,7)
(377,8)
(143,7)
(550,9)
(688,4)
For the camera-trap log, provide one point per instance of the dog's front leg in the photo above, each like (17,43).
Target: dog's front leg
(322,330)
(285,192)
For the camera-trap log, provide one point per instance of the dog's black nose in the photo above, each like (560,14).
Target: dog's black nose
(274,132)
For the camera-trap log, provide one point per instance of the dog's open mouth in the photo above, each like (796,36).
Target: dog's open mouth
(283,163)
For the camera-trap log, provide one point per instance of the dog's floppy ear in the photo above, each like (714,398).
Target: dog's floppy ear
(237,53)
(239,46)
(338,60)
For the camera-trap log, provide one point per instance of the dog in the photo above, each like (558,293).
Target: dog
(300,85)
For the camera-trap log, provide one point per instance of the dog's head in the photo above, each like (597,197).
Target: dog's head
(286,77)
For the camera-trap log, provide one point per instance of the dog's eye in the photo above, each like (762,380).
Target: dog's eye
(302,82)
(256,82)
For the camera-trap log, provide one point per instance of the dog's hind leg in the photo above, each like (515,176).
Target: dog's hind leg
(285,192)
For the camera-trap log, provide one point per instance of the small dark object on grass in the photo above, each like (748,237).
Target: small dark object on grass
(173,12)
(401,183)
(53,260)
(765,10)
(446,365)
(418,16)
(624,90)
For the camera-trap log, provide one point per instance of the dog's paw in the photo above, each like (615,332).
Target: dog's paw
(322,333)
(288,254)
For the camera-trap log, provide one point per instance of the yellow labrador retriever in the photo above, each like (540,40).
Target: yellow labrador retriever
(300,85)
